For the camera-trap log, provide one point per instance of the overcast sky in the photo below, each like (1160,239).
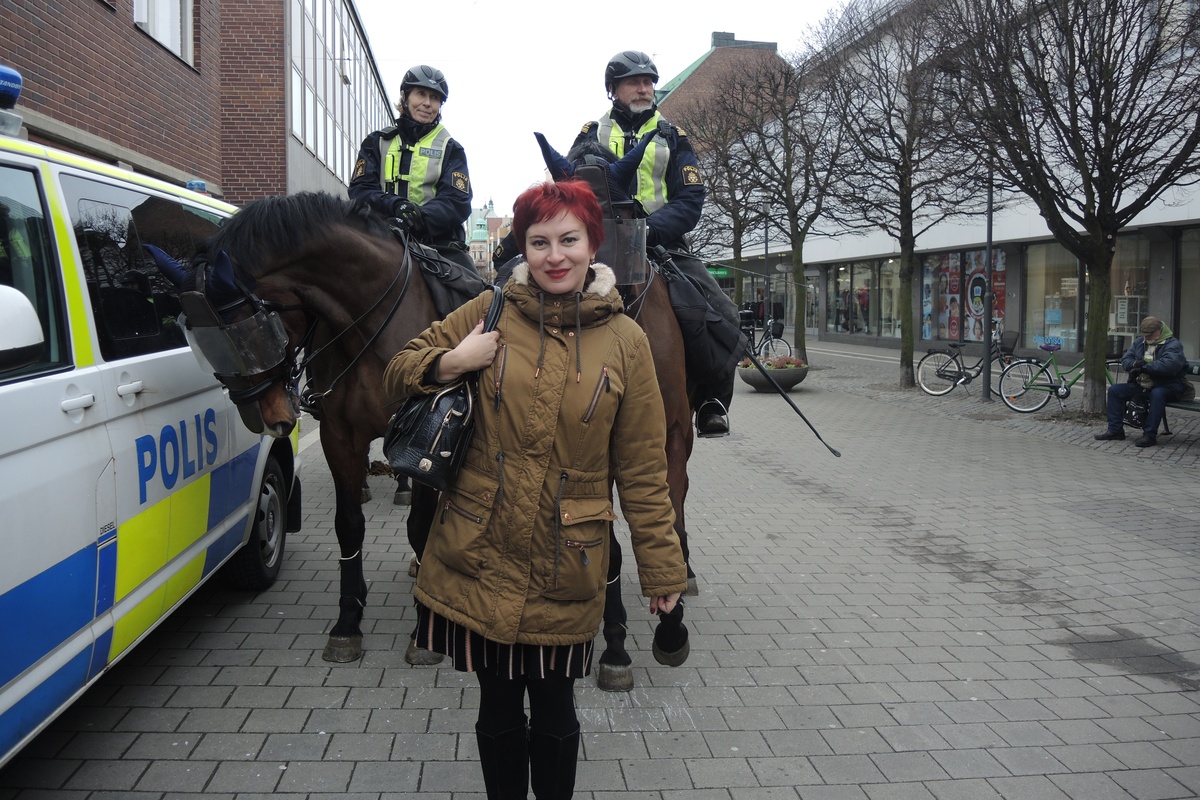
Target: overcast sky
(528,65)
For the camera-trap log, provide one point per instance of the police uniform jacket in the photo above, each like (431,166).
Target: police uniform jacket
(445,212)
(518,551)
(684,187)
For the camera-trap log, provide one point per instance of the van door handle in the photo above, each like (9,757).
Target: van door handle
(126,389)
(76,403)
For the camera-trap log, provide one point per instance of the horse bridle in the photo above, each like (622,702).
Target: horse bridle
(252,352)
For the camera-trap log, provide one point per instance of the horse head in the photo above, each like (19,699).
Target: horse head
(239,337)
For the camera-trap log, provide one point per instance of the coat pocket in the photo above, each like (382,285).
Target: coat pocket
(464,510)
(580,549)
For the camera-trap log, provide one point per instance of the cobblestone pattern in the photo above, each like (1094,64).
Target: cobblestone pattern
(967,604)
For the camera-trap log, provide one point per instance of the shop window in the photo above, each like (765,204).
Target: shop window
(1051,297)
(1189,293)
(1130,274)
(941,297)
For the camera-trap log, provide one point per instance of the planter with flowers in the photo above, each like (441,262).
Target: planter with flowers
(786,370)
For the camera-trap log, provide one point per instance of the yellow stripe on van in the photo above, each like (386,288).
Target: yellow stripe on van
(184,580)
(189,515)
(76,294)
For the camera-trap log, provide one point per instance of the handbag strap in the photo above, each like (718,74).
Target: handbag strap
(493,315)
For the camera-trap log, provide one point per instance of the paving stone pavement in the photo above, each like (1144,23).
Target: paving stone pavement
(969,604)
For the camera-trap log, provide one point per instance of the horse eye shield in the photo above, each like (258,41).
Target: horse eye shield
(248,347)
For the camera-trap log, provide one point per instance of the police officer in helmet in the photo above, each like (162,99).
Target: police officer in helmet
(415,172)
(669,191)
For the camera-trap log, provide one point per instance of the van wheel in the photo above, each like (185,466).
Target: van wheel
(256,565)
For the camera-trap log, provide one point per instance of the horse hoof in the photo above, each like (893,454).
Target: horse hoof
(343,649)
(693,588)
(615,678)
(671,659)
(402,497)
(414,566)
(419,657)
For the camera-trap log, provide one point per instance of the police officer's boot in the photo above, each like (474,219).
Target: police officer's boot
(712,415)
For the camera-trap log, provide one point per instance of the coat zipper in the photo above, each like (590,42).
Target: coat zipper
(462,512)
(603,385)
(498,371)
(500,479)
(558,542)
(582,547)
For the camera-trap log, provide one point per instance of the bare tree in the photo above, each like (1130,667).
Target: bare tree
(772,148)
(907,169)
(1092,109)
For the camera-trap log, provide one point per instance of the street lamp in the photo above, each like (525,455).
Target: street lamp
(988,327)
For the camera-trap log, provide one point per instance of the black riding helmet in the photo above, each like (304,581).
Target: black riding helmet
(427,77)
(628,64)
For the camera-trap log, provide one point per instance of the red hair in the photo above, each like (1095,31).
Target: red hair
(550,200)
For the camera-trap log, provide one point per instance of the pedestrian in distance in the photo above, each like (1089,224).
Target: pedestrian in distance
(1156,367)
(512,582)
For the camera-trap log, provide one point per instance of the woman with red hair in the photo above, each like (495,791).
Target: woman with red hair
(512,581)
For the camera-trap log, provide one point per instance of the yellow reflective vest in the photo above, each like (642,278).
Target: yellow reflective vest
(424,166)
(652,171)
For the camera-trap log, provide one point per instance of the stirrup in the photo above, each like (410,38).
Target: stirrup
(722,415)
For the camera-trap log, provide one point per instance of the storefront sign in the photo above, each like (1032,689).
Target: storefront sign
(719,272)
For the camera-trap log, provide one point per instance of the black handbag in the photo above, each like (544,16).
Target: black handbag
(428,437)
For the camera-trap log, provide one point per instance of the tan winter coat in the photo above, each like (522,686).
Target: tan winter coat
(519,551)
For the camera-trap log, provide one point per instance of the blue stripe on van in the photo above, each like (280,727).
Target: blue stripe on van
(45,610)
(100,653)
(36,707)
(231,485)
(106,576)
(230,541)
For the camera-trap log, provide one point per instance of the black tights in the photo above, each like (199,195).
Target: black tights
(551,704)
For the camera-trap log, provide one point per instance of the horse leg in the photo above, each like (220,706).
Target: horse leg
(403,495)
(420,518)
(679,449)
(671,646)
(616,667)
(345,639)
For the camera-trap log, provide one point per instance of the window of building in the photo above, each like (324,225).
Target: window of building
(167,21)
(1130,283)
(1051,297)
(941,297)
(889,298)
(1189,291)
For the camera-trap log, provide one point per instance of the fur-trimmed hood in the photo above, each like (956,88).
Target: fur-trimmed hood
(597,302)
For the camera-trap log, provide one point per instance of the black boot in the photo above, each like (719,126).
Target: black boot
(552,762)
(504,758)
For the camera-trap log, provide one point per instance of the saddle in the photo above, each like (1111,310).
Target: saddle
(450,283)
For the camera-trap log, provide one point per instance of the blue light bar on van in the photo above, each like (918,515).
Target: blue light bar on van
(10,87)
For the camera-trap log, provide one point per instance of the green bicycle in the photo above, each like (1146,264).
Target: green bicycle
(1027,385)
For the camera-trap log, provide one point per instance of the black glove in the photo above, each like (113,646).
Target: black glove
(407,215)
(1138,370)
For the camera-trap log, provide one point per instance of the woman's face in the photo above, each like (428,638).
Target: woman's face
(559,254)
(423,104)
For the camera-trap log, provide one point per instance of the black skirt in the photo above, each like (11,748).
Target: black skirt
(471,652)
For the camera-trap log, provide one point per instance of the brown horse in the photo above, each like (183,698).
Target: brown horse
(312,276)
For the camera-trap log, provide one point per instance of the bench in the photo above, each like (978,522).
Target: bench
(1184,405)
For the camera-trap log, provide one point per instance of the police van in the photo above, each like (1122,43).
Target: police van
(126,476)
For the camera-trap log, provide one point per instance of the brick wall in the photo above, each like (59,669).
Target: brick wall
(85,63)
(254,113)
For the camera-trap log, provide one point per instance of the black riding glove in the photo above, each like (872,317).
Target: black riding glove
(1136,371)
(408,216)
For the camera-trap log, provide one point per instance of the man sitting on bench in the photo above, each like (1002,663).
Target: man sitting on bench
(1156,365)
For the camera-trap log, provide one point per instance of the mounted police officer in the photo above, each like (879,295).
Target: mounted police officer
(415,173)
(669,192)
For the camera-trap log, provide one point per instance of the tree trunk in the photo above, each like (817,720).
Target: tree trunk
(1095,347)
(801,304)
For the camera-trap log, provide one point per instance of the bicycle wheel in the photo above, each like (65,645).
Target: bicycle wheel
(770,348)
(999,363)
(938,373)
(1026,386)
(1116,373)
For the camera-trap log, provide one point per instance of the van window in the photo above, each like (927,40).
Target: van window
(27,264)
(135,307)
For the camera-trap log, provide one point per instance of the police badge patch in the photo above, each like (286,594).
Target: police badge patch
(460,181)
(360,167)
(691,176)
(587,126)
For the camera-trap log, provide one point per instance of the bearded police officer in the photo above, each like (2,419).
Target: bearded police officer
(669,191)
(415,173)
